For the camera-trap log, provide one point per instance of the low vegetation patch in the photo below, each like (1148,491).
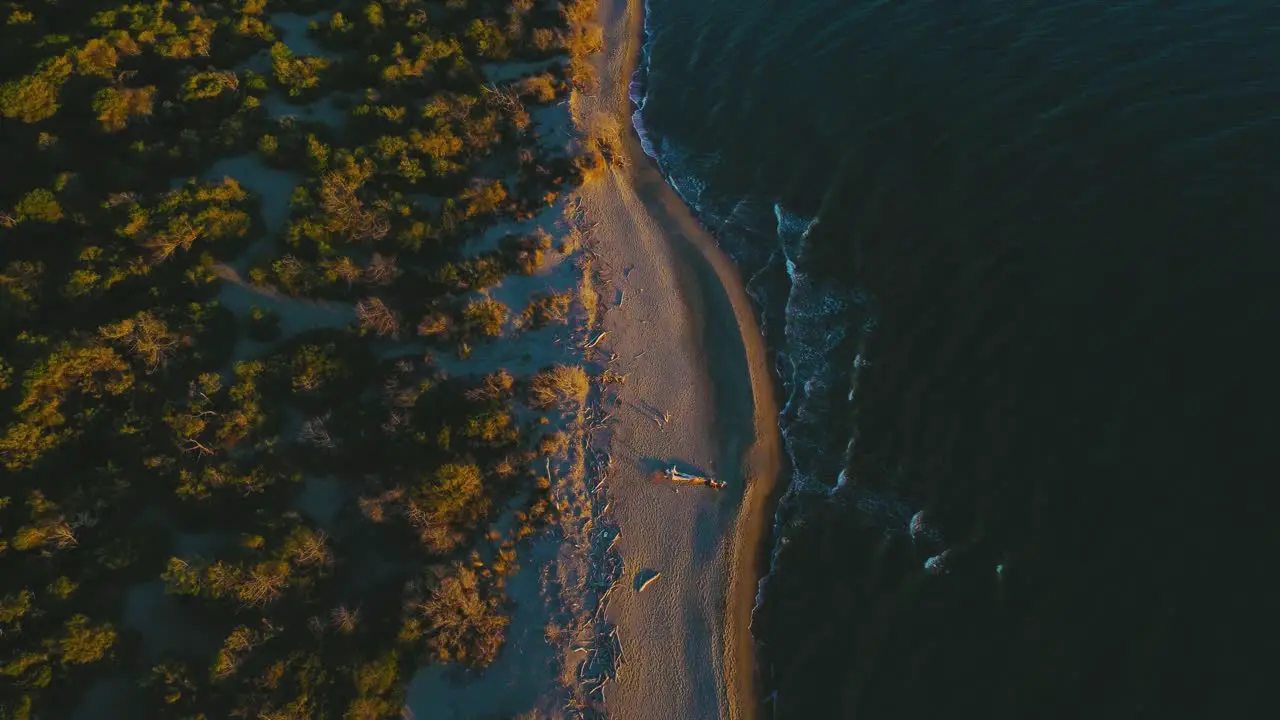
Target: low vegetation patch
(560,386)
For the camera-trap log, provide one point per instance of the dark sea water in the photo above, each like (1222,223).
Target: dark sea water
(1020,263)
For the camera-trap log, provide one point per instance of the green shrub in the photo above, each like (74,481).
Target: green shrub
(468,627)
(563,386)
(39,205)
(546,308)
(485,316)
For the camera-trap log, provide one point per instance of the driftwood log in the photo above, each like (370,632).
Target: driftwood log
(648,581)
(675,475)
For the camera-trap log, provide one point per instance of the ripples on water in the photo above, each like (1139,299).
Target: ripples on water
(1012,258)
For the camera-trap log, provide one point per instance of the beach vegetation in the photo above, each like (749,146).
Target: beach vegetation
(546,308)
(35,97)
(228,265)
(606,139)
(39,205)
(295,75)
(116,107)
(377,317)
(485,317)
(527,253)
(435,324)
(562,386)
(463,623)
(541,89)
(497,385)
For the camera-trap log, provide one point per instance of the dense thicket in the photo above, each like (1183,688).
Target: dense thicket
(157,431)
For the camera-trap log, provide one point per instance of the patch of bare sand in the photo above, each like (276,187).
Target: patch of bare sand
(687,338)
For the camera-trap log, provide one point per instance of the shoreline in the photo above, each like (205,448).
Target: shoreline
(712,369)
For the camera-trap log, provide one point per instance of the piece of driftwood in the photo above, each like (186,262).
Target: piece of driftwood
(648,581)
(675,475)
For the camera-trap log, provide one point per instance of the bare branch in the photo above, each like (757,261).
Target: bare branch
(374,314)
(345,619)
(194,445)
(382,269)
(503,98)
(347,213)
(63,535)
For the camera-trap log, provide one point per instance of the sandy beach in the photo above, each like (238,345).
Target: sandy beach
(699,394)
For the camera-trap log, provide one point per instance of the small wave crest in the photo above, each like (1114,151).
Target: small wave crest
(646,141)
(637,89)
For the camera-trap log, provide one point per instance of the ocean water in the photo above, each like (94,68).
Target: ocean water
(1020,266)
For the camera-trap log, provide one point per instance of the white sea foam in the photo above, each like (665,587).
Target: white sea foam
(637,90)
(816,316)
(646,141)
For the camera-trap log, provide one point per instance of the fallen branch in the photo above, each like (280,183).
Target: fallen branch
(196,446)
(648,582)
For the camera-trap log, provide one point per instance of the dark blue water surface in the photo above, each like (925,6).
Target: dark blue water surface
(1019,264)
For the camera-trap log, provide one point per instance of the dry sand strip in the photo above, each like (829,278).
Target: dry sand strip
(690,345)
